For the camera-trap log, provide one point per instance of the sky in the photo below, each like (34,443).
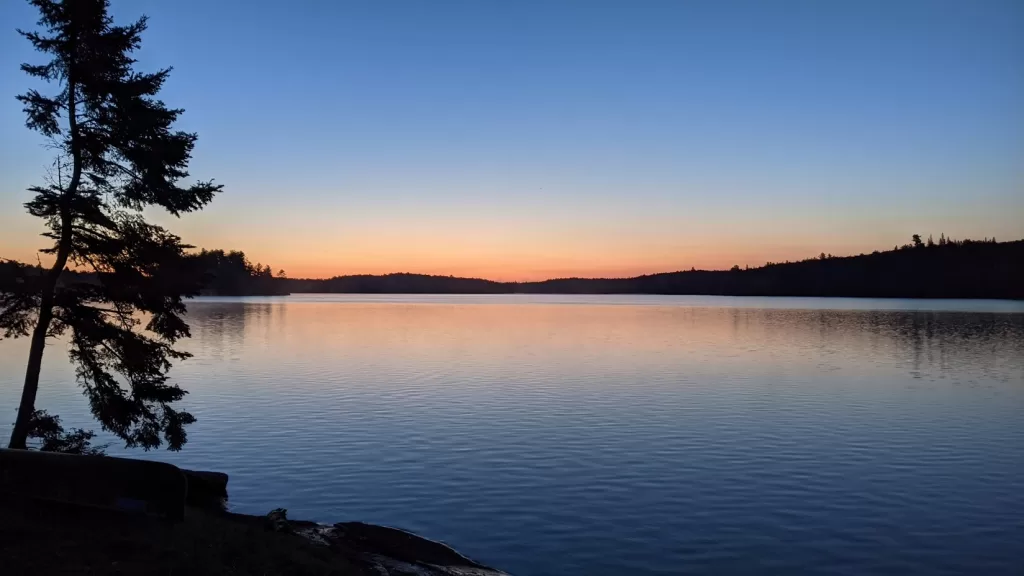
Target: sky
(526,140)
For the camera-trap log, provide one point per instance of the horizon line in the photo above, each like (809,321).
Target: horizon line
(692,269)
(558,278)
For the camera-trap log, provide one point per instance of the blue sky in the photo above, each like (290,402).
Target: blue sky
(533,139)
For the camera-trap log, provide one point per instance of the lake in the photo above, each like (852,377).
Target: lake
(615,434)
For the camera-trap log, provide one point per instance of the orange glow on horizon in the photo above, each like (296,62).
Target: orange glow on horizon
(505,254)
(521,267)
(545,267)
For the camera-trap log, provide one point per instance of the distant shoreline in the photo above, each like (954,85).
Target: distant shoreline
(681,301)
(966,270)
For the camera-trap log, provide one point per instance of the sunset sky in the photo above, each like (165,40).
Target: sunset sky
(525,140)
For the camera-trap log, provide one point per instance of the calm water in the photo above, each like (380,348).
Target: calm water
(617,435)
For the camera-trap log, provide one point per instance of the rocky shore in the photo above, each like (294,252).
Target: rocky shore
(62,514)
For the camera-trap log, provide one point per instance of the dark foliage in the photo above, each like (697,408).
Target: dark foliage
(946,269)
(20,287)
(117,154)
(231,274)
(52,437)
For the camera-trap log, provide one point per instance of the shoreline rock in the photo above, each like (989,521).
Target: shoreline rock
(90,499)
(383,550)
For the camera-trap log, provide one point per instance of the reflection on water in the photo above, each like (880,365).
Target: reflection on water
(610,435)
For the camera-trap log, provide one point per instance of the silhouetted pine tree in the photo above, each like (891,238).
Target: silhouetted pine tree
(117,154)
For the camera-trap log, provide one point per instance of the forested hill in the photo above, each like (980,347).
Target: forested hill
(229,273)
(219,273)
(947,269)
(964,269)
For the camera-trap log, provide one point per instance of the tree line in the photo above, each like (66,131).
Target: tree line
(212,272)
(230,273)
(920,269)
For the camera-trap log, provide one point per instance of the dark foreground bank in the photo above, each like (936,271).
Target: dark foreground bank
(38,537)
(65,514)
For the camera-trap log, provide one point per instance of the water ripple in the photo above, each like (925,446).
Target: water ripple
(654,436)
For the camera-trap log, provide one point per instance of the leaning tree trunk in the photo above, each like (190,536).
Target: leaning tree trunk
(27,406)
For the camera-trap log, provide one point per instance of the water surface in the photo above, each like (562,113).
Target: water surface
(616,434)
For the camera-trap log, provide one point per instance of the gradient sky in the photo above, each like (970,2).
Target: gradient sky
(521,140)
